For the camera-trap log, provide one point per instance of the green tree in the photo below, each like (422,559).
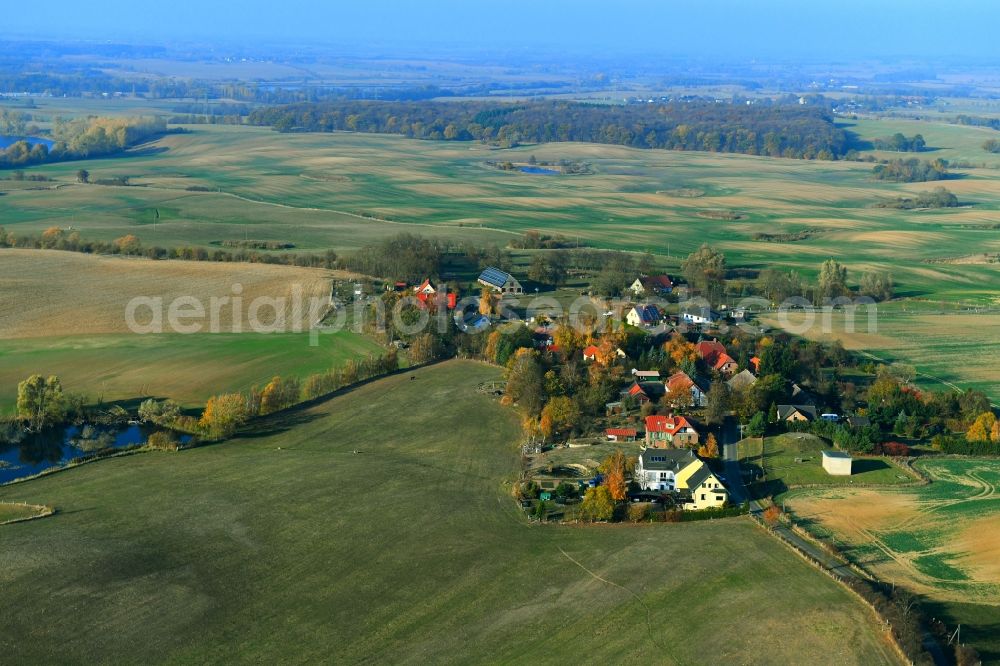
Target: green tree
(718,403)
(83,176)
(832,279)
(878,285)
(525,381)
(705,270)
(757,426)
(539,271)
(41,401)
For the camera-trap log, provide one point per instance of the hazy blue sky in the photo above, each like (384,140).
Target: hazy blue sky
(694,27)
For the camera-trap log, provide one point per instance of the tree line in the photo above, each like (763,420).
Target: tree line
(778,131)
(84,138)
(900,143)
(911,170)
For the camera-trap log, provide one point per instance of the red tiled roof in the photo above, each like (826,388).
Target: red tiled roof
(710,349)
(667,424)
(592,350)
(721,360)
(621,432)
(678,381)
(657,281)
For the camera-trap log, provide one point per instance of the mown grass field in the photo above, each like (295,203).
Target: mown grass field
(336,534)
(795,459)
(941,540)
(65,314)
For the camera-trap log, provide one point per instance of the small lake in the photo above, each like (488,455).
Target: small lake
(539,170)
(57,448)
(8,141)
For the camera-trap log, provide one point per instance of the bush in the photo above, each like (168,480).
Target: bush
(638,512)
(163,440)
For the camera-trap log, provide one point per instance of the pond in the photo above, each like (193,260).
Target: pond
(7,141)
(56,448)
(539,170)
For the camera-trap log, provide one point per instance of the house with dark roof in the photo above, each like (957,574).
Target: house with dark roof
(794,413)
(699,315)
(741,380)
(802,396)
(680,471)
(644,316)
(652,284)
(500,281)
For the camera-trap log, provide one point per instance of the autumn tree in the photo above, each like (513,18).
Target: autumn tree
(680,351)
(279,393)
(983,428)
(878,285)
(772,514)
(51,237)
(128,244)
(597,504)
(224,414)
(559,415)
(615,468)
(710,448)
(489,301)
(41,401)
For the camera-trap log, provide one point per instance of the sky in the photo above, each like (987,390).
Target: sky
(700,28)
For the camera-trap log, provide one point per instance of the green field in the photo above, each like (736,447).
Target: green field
(941,540)
(186,368)
(303,188)
(338,534)
(795,459)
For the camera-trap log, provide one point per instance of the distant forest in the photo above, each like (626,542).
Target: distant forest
(777,131)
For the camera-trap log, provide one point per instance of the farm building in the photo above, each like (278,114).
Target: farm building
(500,281)
(837,463)
(621,434)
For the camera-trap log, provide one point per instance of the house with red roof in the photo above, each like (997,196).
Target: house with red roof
(643,392)
(426,293)
(725,365)
(590,353)
(697,387)
(652,284)
(665,431)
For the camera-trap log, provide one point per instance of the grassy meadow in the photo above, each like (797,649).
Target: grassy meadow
(306,188)
(64,314)
(941,540)
(334,534)
(795,459)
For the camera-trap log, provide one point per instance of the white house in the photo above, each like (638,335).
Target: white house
(644,316)
(657,469)
(700,315)
(681,471)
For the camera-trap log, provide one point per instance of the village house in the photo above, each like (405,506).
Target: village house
(796,413)
(593,352)
(741,380)
(645,375)
(699,315)
(500,281)
(654,284)
(680,471)
(697,387)
(643,392)
(644,316)
(715,356)
(426,293)
(664,431)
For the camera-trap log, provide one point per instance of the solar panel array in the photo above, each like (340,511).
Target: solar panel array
(494,276)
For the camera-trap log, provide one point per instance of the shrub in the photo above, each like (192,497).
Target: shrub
(637,512)
(163,440)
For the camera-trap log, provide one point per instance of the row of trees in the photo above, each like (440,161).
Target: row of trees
(786,131)
(911,170)
(900,143)
(84,138)
(939,197)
